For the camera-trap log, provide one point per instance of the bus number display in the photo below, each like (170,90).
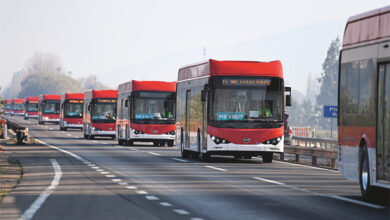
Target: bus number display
(33,102)
(76,101)
(246,82)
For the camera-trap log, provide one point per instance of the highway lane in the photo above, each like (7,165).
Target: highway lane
(224,188)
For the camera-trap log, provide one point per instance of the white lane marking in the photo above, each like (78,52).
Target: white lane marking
(116,180)
(94,141)
(100,170)
(134,149)
(131,187)
(166,204)
(50,128)
(301,165)
(153,153)
(91,165)
(196,218)
(215,168)
(87,162)
(64,151)
(320,194)
(181,211)
(104,172)
(110,176)
(181,160)
(29,213)
(69,134)
(123,183)
(152,198)
(142,192)
(95,168)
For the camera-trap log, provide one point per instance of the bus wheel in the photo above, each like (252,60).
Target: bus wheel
(61,129)
(85,136)
(170,143)
(113,137)
(368,191)
(65,129)
(204,156)
(130,143)
(184,153)
(155,143)
(120,142)
(267,157)
(91,137)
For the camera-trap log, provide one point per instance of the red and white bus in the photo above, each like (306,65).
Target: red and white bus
(49,109)
(31,107)
(146,112)
(71,111)
(231,108)
(8,106)
(364,101)
(99,114)
(17,107)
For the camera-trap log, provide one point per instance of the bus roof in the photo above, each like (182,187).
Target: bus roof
(8,101)
(231,68)
(29,98)
(50,97)
(101,94)
(367,27)
(67,96)
(135,85)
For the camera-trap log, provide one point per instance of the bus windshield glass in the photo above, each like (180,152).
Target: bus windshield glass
(7,106)
(253,100)
(31,107)
(153,106)
(17,106)
(73,110)
(51,107)
(103,111)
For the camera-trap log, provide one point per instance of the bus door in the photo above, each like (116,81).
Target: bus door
(204,95)
(187,119)
(383,123)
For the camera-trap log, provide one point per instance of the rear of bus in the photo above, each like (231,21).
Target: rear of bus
(49,109)
(152,112)
(18,106)
(71,111)
(100,113)
(31,107)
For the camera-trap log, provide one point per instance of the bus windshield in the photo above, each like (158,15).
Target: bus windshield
(31,107)
(17,107)
(7,106)
(253,100)
(73,110)
(153,106)
(103,112)
(51,107)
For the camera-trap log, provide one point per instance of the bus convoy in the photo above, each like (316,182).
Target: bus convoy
(364,101)
(146,112)
(237,108)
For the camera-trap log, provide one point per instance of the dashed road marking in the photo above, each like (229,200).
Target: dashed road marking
(320,194)
(180,160)
(123,183)
(104,172)
(301,165)
(166,204)
(110,176)
(152,198)
(69,134)
(196,218)
(116,180)
(155,154)
(215,168)
(181,211)
(95,168)
(91,165)
(94,141)
(142,192)
(100,170)
(131,187)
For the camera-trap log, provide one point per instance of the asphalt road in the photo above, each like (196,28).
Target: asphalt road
(101,180)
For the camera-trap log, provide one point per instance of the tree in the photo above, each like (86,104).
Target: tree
(329,82)
(91,82)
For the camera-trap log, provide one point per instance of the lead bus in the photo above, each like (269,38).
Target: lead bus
(49,109)
(8,106)
(146,112)
(31,107)
(99,113)
(364,101)
(17,107)
(71,111)
(231,108)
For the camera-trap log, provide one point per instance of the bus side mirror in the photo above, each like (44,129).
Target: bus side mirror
(203,95)
(287,91)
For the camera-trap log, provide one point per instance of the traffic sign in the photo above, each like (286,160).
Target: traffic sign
(330,111)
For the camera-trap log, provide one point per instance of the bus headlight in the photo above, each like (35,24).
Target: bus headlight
(137,132)
(218,140)
(273,141)
(171,132)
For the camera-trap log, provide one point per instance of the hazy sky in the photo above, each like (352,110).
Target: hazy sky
(100,36)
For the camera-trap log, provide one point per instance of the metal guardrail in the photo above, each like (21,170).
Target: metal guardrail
(314,147)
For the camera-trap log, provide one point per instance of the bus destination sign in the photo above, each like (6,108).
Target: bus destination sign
(106,100)
(76,101)
(246,82)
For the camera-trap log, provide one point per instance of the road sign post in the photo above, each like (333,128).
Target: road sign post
(331,111)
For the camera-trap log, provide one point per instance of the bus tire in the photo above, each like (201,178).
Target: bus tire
(155,143)
(184,153)
(65,129)
(85,136)
(267,157)
(368,192)
(120,142)
(205,156)
(170,143)
(130,143)
(113,137)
